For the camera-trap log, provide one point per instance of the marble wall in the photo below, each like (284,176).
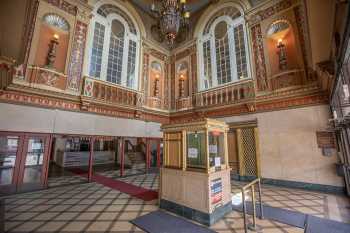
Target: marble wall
(288,145)
(40,120)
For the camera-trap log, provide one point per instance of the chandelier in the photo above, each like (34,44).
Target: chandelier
(172,16)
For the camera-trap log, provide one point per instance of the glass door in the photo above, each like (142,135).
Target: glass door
(9,162)
(34,163)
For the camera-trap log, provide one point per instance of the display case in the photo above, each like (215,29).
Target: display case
(195,177)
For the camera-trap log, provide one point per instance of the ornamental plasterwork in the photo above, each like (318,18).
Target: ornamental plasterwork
(64,5)
(270,11)
(49,77)
(56,21)
(84,15)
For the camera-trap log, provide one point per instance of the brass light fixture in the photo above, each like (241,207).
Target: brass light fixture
(51,56)
(282,55)
(172,16)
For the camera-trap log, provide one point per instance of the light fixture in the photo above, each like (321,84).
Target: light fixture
(56,36)
(51,56)
(282,55)
(182,86)
(172,16)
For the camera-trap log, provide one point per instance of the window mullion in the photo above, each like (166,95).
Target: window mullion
(125,60)
(213,58)
(137,62)
(88,54)
(105,53)
(201,65)
(232,52)
(247,57)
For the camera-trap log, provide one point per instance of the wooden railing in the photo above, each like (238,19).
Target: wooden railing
(43,78)
(184,103)
(228,94)
(6,72)
(155,103)
(110,93)
(290,78)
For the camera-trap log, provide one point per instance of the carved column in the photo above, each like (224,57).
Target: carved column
(76,59)
(172,80)
(259,58)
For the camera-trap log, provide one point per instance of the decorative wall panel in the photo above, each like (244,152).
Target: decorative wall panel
(77,56)
(247,152)
(63,5)
(300,20)
(259,58)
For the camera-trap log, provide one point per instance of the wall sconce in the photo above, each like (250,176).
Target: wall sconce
(181,86)
(282,55)
(51,56)
(156,85)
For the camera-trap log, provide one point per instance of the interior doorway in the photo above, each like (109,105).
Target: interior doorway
(69,160)
(243,148)
(23,162)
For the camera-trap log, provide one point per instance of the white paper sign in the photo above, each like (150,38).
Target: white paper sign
(192,153)
(213,149)
(335,115)
(12,142)
(217,161)
(346,91)
(36,146)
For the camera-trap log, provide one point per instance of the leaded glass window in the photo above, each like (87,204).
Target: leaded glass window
(241,58)
(131,62)
(223,70)
(207,64)
(115,55)
(97,49)
(223,49)
(114,47)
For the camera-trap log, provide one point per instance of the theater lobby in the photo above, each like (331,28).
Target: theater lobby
(175,116)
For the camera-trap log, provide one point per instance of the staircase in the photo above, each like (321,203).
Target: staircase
(136,155)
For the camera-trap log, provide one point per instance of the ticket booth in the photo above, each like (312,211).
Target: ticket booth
(195,177)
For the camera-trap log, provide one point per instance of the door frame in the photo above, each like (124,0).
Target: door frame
(21,186)
(17,185)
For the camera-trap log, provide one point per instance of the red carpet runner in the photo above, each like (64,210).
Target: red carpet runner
(132,190)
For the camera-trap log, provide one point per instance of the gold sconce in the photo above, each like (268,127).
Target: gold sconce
(182,86)
(282,54)
(156,85)
(51,56)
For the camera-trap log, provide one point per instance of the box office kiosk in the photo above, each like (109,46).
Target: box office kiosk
(195,177)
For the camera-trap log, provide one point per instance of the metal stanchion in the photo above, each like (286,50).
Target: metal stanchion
(252,226)
(260,200)
(244,212)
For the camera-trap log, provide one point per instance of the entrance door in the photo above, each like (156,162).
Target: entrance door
(23,162)
(10,153)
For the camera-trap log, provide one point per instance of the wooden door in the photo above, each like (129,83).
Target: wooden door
(233,151)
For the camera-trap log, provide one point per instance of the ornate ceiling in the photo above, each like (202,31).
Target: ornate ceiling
(192,5)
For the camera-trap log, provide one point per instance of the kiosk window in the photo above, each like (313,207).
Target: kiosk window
(196,150)
(216,149)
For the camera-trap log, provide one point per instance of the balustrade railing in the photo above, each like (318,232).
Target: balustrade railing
(6,72)
(184,103)
(290,78)
(155,102)
(228,94)
(43,78)
(106,92)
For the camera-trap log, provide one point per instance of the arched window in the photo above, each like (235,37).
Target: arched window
(222,49)
(114,47)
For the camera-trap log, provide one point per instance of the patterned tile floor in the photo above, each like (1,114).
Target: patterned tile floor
(93,207)
(69,178)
